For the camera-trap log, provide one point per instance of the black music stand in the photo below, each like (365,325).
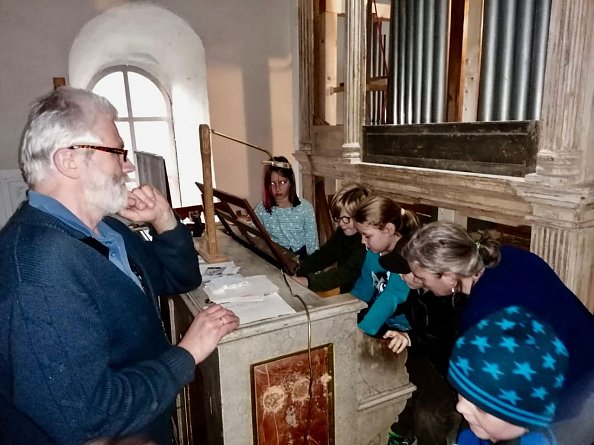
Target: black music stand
(250,231)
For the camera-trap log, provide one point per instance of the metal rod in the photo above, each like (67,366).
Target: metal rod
(242,142)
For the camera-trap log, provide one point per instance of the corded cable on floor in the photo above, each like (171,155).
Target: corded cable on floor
(310,386)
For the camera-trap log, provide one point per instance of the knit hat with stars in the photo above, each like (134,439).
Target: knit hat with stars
(511,365)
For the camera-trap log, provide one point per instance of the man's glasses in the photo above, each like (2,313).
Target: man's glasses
(119,151)
(342,219)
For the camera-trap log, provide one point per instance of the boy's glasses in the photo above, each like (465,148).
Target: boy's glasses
(342,219)
(119,151)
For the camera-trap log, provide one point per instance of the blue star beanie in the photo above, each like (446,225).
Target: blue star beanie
(511,365)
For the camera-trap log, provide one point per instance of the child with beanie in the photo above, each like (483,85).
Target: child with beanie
(508,370)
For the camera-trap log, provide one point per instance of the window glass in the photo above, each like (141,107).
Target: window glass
(152,137)
(124,130)
(144,117)
(112,88)
(147,100)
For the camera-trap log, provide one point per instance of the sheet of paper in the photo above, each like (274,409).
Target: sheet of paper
(210,271)
(272,305)
(236,288)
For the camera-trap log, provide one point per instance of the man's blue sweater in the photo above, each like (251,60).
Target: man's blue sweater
(83,352)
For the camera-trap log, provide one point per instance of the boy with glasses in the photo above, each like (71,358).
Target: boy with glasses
(337,264)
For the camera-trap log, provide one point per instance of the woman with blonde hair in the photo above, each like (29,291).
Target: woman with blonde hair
(446,259)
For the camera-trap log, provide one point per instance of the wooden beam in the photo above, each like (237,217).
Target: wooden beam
(208,249)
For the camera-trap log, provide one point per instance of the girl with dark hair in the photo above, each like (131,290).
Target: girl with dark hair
(289,221)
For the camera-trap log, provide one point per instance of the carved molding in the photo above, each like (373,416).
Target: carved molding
(569,252)
(354,82)
(306,63)
(562,219)
(559,207)
(558,167)
(568,103)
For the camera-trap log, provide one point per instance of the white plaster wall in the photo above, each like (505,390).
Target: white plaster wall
(169,50)
(12,192)
(249,71)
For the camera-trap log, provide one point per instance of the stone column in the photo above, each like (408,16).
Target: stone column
(306,95)
(306,64)
(563,234)
(354,78)
(561,190)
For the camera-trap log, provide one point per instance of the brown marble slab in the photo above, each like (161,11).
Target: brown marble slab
(281,398)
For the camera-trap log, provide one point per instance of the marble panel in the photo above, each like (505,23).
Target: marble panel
(370,383)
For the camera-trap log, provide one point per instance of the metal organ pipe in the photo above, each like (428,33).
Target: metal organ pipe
(417,58)
(513,57)
(427,56)
(505,59)
(523,53)
(409,61)
(487,82)
(440,60)
(393,67)
(542,15)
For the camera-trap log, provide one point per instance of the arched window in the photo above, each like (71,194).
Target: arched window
(144,115)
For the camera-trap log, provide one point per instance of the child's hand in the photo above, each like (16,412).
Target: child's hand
(301,280)
(400,341)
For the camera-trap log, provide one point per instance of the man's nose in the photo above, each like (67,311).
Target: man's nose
(128,167)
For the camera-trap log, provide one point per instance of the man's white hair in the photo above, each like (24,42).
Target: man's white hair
(59,119)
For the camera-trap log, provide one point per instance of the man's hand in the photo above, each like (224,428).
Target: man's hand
(400,341)
(207,329)
(301,280)
(146,204)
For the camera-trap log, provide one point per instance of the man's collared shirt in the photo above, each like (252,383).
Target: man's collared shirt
(107,236)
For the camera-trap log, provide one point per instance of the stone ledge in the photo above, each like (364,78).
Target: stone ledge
(380,400)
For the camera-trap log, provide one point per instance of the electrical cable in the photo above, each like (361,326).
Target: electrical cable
(310,385)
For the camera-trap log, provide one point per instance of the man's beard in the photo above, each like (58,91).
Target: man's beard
(107,193)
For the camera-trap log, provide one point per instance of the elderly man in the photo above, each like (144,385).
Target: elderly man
(83,353)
